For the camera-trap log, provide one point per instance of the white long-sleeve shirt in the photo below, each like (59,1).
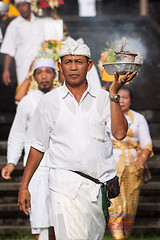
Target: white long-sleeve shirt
(17,139)
(23,40)
(77,137)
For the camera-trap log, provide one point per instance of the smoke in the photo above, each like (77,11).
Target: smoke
(133,45)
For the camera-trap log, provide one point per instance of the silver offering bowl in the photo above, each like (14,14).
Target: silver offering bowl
(121,68)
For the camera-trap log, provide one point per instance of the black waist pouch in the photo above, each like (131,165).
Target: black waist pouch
(113,187)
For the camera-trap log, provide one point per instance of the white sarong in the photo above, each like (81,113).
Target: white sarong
(79,218)
(40,214)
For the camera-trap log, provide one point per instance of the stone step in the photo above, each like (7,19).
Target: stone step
(3,162)
(3,147)
(4,207)
(151,187)
(8,229)
(147,226)
(9,186)
(149,207)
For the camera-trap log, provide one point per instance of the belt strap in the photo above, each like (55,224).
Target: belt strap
(89,177)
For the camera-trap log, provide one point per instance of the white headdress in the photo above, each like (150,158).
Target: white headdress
(72,47)
(18,1)
(44,62)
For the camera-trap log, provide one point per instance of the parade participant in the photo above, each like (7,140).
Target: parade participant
(130,156)
(23,39)
(74,124)
(40,217)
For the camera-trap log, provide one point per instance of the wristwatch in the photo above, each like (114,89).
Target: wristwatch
(115,99)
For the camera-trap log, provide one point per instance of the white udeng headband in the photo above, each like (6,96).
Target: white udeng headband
(18,1)
(44,62)
(72,47)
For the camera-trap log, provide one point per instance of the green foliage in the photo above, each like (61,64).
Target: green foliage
(136,237)
(17,235)
(111,56)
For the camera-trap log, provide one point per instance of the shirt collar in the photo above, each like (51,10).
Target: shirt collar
(32,18)
(40,92)
(65,91)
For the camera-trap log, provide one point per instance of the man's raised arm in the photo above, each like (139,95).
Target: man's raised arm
(119,125)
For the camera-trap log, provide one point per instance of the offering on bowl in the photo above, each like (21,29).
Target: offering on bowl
(125,56)
(125,62)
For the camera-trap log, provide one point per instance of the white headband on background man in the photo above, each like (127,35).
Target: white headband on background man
(18,1)
(72,47)
(44,62)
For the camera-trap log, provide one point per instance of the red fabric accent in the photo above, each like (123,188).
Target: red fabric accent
(43,4)
(60,2)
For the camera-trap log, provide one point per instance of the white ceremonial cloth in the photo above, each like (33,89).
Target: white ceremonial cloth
(74,47)
(93,78)
(78,137)
(53,29)
(79,218)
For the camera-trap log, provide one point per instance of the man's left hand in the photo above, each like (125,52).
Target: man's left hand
(118,83)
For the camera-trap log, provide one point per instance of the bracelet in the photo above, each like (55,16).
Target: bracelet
(144,156)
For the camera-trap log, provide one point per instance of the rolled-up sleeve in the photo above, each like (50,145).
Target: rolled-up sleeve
(144,135)
(9,42)
(38,133)
(128,120)
(16,139)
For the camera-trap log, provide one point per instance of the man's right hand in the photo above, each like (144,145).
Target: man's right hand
(7,170)
(24,200)
(6,77)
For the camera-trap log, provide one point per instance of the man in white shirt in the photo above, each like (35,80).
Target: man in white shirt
(40,218)
(74,126)
(23,39)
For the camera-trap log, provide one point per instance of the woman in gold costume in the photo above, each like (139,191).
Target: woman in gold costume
(130,157)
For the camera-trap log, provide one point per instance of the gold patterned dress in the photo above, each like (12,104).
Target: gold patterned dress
(123,208)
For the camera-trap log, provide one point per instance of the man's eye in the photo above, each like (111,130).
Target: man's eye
(67,61)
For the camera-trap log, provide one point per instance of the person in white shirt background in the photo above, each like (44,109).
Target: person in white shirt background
(40,217)
(74,125)
(23,39)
